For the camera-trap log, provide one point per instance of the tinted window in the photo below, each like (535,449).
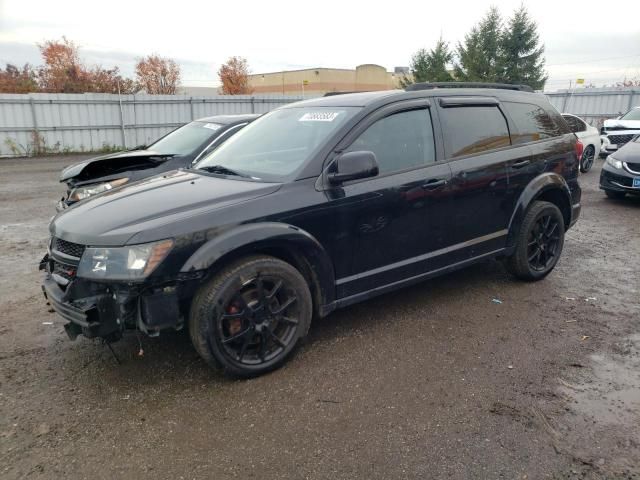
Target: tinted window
(575,124)
(532,122)
(400,141)
(473,130)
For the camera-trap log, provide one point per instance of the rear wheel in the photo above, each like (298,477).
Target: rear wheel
(250,317)
(615,195)
(586,162)
(539,242)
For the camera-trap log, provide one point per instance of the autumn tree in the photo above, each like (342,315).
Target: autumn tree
(16,80)
(64,72)
(234,75)
(158,75)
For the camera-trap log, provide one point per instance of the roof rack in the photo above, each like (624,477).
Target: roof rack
(502,86)
(331,94)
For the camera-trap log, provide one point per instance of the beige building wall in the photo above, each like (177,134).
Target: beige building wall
(316,81)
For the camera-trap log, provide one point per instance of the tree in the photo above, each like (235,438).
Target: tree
(158,75)
(234,76)
(64,72)
(15,80)
(479,54)
(430,66)
(521,55)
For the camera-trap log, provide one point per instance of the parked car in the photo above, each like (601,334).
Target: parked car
(617,132)
(590,138)
(315,206)
(621,171)
(180,148)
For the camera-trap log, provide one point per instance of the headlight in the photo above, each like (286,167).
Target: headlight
(123,263)
(80,193)
(614,163)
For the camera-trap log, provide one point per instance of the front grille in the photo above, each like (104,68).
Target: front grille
(633,167)
(68,248)
(67,272)
(620,139)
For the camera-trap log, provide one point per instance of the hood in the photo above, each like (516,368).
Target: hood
(112,163)
(629,153)
(157,207)
(614,124)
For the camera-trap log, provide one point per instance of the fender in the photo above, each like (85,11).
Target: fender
(536,187)
(254,236)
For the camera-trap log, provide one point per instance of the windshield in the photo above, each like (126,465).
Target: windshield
(186,139)
(278,143)
(632,115)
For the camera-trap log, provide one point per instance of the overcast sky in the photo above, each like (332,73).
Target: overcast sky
(583,39)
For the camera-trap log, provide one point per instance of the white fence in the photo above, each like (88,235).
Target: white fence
(42,122)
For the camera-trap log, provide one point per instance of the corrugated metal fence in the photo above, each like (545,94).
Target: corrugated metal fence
(596,105)
(92,122)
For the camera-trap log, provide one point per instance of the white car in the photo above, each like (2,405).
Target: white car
(590,138)
(617,132)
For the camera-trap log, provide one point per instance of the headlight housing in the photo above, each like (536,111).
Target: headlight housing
(614,163)
(133,262)
(86,191)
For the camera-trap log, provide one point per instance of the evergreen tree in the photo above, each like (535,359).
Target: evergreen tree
(479,54)
(521,56)
(430,66)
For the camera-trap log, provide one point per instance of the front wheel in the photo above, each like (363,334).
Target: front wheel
(539,242)
(586,162)
(249,318)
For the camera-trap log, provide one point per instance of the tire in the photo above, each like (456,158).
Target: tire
(588,157)
(614,194)
(539,243)
(249,318)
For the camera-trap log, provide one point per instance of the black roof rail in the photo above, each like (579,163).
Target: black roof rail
(502,86)
(331,94)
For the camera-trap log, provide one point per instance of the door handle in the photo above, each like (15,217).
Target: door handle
(520,164)
(433,184)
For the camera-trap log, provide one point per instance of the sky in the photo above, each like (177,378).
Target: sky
(582,40)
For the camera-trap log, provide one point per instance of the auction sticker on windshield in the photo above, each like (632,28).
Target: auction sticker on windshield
(319,117)
(212,126)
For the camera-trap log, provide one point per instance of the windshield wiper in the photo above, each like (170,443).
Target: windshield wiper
(222,170)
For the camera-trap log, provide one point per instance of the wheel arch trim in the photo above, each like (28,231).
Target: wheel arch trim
(536,188)
(258,237)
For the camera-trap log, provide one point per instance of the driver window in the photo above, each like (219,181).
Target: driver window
(400,141)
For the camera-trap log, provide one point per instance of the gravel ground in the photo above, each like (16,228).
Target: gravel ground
(434,381)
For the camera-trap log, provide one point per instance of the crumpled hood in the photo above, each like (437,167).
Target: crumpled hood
(158,207)
(77,169)
(622,124)
(629,153)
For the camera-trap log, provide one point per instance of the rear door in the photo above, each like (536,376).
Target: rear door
(478,147)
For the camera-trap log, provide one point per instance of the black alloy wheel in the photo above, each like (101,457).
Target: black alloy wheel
(539,242)
(250,316)
(588,157)
(544,239)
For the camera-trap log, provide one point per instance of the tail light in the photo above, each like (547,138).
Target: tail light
(579,149)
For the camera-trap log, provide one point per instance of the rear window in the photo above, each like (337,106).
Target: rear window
(474,129)
(532,123)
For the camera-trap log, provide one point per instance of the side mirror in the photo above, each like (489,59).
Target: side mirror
(353,166)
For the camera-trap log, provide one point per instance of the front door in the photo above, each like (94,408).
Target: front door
(396,218)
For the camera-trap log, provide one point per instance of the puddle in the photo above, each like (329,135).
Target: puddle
(612,393)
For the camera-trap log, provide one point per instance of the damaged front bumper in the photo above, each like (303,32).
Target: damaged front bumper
(107,310)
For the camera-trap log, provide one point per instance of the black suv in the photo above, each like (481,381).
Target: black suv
(315,206)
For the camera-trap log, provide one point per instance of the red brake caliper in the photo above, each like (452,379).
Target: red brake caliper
(235,324)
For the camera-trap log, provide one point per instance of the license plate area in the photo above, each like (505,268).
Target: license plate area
(636,182)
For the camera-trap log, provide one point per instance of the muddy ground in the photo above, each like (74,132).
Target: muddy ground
(434,381)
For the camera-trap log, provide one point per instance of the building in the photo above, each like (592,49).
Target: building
(318,81)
